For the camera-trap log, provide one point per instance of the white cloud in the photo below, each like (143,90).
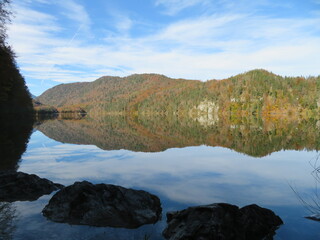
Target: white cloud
(124,23)
(205,47)
(76,12)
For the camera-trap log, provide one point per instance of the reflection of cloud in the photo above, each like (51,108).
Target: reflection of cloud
(190,175)
(32,225)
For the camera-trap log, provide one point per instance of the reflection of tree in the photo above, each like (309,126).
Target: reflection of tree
(251,136)
(7,217)
(14,135)
(312,202)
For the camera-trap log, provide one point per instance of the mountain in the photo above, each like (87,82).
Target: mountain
(113,93)
(257,92)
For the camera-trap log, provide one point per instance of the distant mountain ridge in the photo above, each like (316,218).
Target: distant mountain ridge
(253,92)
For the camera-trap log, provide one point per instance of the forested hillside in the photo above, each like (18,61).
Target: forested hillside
(114,94)
(256,92)
(14,95)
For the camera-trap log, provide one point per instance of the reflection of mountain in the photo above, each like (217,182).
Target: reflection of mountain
(14,135)
(250,136)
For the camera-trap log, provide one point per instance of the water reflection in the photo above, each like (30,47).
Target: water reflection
(255,137)
(193,175)
(311,201)
(181,177)
(14,136)
(32,225)
(15,131)
(7,217)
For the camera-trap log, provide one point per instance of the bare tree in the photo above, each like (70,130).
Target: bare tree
(5,14)
(312,202)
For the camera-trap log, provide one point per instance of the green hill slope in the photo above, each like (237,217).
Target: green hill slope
(254,92)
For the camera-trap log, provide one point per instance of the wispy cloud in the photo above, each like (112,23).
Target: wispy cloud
(75,12)
(174,6)
(215,45)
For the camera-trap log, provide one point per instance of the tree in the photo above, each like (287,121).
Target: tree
(14,94)
(5,14)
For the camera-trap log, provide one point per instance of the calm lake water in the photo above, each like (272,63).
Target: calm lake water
(184,164)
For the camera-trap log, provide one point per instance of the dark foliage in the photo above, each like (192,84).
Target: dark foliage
(15,131)
(14,95)
(16,109)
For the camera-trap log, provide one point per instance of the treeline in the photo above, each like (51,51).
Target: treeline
(14,95)
(110,94)
(261,92)
(256,92)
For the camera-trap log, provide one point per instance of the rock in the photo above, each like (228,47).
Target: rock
(103,205)
(258,222)
(19,186)
(221,221)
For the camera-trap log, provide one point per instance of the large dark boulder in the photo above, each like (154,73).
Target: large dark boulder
(223,222)
(103,205)
(258,222)
(19,186)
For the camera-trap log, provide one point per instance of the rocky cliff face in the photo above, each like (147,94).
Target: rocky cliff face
(206,113)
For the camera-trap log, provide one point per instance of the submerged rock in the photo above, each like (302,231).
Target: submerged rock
(19,186)
(222,221)
(103,205)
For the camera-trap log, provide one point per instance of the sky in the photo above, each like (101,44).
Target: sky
(64,41)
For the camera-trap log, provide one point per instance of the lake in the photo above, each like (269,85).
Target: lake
(184,162)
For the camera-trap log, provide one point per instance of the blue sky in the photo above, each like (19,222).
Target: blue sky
(63,41)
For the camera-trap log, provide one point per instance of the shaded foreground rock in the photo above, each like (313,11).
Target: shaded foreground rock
(19,186)
(103,205)
(222,221)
